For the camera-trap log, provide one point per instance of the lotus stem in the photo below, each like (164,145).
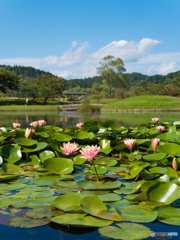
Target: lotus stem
(95,171)
(132,155)
(56,153)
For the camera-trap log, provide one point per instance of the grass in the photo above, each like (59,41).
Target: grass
(33,105)
(104,101)
(146,102)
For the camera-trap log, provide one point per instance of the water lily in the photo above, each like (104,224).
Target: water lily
(29,132)
(160,128)
(16,125)
(130,143)
(155,142)
(155,120)
(79,125)
(90,152)
(69,148)
(34,124)
(175,164)
(42,122)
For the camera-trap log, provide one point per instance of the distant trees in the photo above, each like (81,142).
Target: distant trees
(111,70)
(49,86)
(8,80)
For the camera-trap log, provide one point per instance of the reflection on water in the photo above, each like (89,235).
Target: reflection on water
(70,119)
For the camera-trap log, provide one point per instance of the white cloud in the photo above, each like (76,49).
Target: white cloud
(76,63)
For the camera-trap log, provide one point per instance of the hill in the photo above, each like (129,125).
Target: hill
(133,79)
(146,102)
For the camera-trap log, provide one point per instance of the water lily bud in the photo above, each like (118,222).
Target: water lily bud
(175,164)
(29,132)
(155,142)
(155,120)
(130,143)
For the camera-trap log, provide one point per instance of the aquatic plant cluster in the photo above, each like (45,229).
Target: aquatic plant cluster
(93,175)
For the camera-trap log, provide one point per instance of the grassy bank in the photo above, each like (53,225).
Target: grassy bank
(146,102)
(104,101)
(33,105)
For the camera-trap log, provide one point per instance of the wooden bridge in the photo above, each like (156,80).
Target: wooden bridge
(74,107)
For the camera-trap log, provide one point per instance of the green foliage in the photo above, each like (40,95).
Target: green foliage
(111,70)
(8,80)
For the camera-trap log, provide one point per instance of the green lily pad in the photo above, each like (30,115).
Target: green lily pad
(99,169)
(69,202)
(46,155)
(10,168)
(25,141)
(168,148)
(94,206)
(126,231)
(80,220)
(12,152)
(135,213)
(155,156)
(34,148)
(43,212)
(23,221)
(165,193)
(90,185)
(59,165)
(61,137)
(171,221)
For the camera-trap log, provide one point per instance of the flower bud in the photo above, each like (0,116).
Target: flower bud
(175,164)
(29,132)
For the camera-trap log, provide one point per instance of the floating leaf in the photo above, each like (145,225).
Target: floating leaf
(25,141)
(89,185)
(23,221)
(80,220)
(10,168)
(46,155)
(126,231)
(59,165)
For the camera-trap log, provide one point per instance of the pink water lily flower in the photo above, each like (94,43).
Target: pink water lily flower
(69,148)
(160,128)
(29,132)
(34,124)
(42,122)
(79,125)
(155,120)
(90,152)
(130,143)
(16,125)
(175,164)
(155,142)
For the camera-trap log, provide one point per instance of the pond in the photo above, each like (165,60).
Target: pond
(70,119)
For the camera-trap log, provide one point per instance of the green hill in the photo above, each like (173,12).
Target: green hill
(146,102)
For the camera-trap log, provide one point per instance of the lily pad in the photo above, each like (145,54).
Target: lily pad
(90,185)
(59,165)
(23,221)
(80,220)
(126,231)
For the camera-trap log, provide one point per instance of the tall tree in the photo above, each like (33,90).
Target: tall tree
(111,70)
(49,86)
(8,80)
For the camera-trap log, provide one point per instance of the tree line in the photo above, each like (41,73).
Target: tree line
(113,82)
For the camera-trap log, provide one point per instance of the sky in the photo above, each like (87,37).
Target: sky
(70,37)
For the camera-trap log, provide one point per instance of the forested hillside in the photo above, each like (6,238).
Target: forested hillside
(26,72)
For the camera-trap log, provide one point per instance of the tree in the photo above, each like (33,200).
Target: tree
(49,86)
(8,80)
(111,70)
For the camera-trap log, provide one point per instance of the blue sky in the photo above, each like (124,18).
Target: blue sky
(69,38)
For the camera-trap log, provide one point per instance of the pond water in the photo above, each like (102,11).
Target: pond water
(70,119)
